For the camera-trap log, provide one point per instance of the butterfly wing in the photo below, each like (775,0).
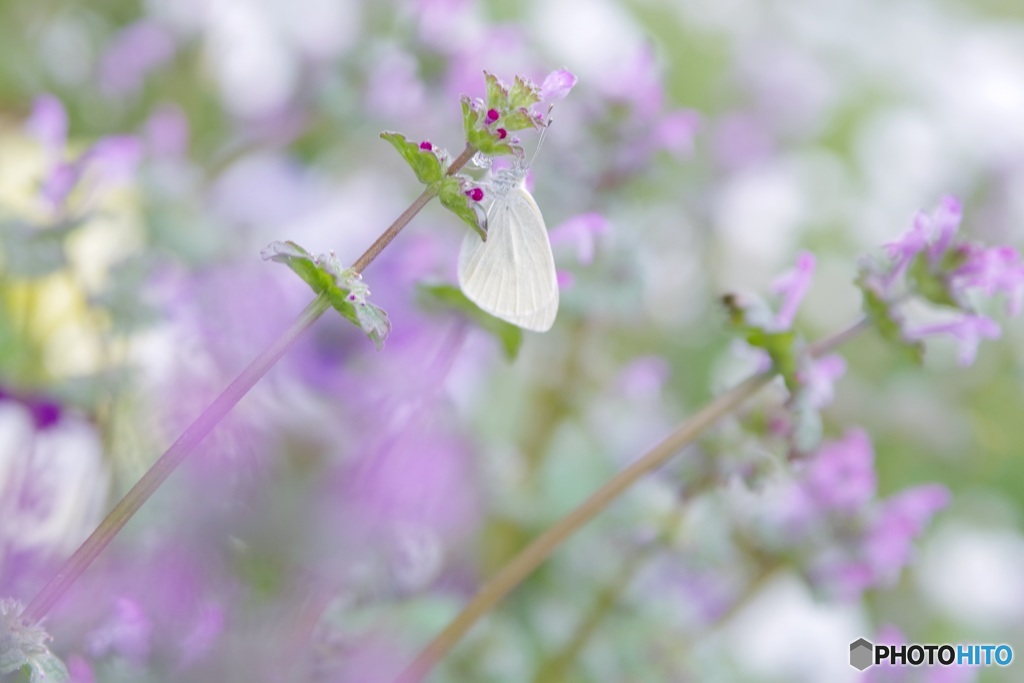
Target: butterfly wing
(512,274)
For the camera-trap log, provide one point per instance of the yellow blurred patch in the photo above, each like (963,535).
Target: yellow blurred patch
(55,309)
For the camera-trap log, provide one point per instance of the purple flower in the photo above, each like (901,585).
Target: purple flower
(932,233)
(48,123)
(968,330)
(126,632)
(636,83)
(888,543)
(110,160)
(394,87)
(80,670)
(842,476)
(582,231)
(135,52)
(52,475)
(114,158)
(643,378)
(557,85)
(167,131)
(203,635)
(992,270)
(819,376)
(793,285)
(676,130)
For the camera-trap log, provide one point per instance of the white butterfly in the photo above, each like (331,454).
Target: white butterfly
(511,275)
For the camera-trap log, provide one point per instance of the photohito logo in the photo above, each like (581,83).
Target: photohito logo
(864,654)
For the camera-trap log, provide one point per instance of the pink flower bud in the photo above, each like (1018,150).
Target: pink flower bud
(426,145)
(476,194)
(502,133)
(492,115)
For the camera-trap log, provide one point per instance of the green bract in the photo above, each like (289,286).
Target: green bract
(453,197)
(482,138)
(751,322)
(930,283)
(882,315)
(343,287)
(23,647)
(423,162)
(445,296)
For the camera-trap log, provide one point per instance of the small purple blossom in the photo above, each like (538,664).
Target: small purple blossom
(502,133)
(492,115)
(902,518)
(167,131)
(426,145)
(993,270)
(932,233)
(127,632)
(48,123)
(114,158)
(643,378)
(842,476)
(203,635)
(968,331)
(557,85)
(111,160)
(134,53)
(676,131)
(476,194)
(819,376)
(793,285)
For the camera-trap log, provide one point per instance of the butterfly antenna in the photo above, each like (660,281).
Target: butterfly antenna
(543,133)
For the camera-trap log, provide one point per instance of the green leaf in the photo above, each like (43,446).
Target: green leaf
(883,316)
(930,284)
(446,296)
(454,198)
(523,94)
(423,162)
(519,119)
(752,319)
(343,287)
(497,93)
(481,137)
(782,349)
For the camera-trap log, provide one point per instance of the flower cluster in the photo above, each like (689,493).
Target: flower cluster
(932,262)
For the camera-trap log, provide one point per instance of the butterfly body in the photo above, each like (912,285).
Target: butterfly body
(511,275)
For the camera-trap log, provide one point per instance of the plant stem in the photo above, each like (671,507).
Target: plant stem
(531,557)
(123,511)
(554,669)
(385,239)
(168,462)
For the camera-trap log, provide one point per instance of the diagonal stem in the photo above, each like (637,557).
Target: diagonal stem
(531,557)
(167,463)
(132,501)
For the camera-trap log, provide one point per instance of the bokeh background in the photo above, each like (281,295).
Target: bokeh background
(354,501)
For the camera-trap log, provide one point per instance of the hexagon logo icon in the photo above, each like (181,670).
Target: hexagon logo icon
(861,654)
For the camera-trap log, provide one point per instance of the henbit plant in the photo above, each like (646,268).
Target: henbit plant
(832,483)
(487,125)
